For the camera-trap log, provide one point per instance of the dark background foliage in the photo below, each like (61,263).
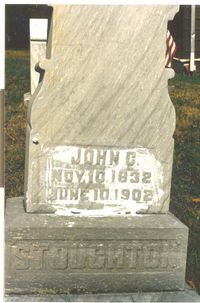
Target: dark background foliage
(17,23)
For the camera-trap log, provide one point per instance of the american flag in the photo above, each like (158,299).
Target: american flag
(170,51)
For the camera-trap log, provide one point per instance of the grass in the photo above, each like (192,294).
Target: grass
(185,95)
(17,83)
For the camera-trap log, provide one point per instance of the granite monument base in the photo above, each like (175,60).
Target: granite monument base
(46,253)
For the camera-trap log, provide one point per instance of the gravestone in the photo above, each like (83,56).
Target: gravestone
(38,41)
(95,216)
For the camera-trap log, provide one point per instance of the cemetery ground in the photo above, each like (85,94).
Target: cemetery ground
(185,194)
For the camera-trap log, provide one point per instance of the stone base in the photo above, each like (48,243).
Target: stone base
(46,253)
(187,295)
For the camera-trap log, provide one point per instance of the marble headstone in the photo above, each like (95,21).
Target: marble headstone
(99,160)
(100,128)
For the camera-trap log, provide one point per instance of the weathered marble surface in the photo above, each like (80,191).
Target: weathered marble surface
(105,85)
(37,50)
(188,295)
(49,254)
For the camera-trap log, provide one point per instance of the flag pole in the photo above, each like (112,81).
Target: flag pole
(192,40)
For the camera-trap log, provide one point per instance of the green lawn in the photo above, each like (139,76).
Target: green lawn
(17,83)
(185,192)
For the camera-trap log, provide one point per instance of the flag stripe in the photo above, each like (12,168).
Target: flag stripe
(170,50)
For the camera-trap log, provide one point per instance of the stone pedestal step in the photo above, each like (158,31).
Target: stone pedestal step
(47,253)
(188,295)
